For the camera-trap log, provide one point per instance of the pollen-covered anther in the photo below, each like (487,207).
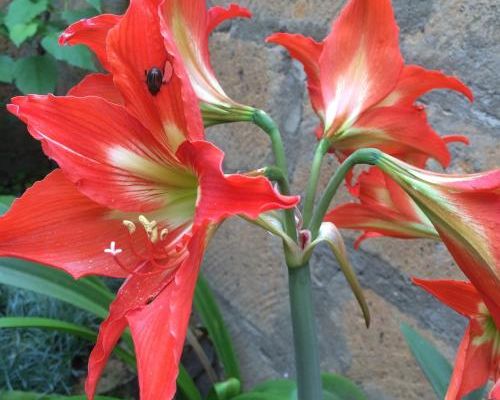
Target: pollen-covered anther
(163,234)
(151,228)
(113,250)
(129,225)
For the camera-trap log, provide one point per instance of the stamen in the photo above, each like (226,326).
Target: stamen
(151,228)
(129,225)
(163,234)
(113,250)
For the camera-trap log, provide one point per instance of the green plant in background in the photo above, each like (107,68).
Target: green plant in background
(33,26)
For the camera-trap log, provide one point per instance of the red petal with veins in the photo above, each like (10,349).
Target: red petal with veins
(415,81)
(472,365)
(186,26)
(227,195)
(100,85)
(394,130)
(91,32)
(54,224)
(461,296)
(361,60)
(217,15)
(135,46)
(165,321)
(135,293)
(100,147)
(477,359)
(308,52)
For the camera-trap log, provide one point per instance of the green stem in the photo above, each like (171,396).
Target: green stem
(319,155)
(361,156)
(266,123)
(305,337)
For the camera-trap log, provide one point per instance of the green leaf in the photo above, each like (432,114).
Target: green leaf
(6,69)
(62,326)
(208,310)
(435,367)
(186,385)
(258,396)
(225,390)
(37,396)
(341,388)
(83,293)
(96,4)
(78,56)
(478,394)
(284,388)
(36,74)
(20,32)
(23,12)
(71,16)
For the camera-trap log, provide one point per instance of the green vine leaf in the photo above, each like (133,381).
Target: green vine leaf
(36,74)
(78,56)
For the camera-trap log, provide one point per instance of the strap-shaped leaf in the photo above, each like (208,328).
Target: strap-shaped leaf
(329,234)
(208,310)
(83,293)
(434,365)
(184,381)
(341,388)
(62,326)
(16,395)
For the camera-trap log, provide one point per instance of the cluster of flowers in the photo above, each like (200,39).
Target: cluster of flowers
(139,191)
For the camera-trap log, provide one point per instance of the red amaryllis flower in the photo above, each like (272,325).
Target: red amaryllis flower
(186,27)
(384,209)
(478,357)
(136,196)
(360,87)
(465,210)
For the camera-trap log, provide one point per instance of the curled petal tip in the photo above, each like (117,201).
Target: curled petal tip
(456,139)
(240,11)
(13,109)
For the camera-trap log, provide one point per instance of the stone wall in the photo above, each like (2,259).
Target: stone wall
(245,267)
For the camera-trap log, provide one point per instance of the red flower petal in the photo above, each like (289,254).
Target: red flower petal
(415,81)
(459,295)
(91,32)
(217,15)
(472,366)
(308,52)
(361,60)
(54,224)
(135,46)
(135,293)
(222,195)
(186,25)
(99,85)
(159,329)
(101,148)
(394,130)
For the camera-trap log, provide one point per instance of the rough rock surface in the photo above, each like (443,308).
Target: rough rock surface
(460,37)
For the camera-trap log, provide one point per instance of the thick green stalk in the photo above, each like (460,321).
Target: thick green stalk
(266,123)
(361,156)
(305,337)
(319,155)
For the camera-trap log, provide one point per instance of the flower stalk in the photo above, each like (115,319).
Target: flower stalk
(305,337)
(319,155)
(267,124)
(361,156)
